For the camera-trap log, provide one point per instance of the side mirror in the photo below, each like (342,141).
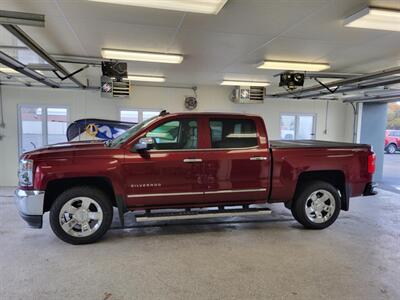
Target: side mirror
(144,144)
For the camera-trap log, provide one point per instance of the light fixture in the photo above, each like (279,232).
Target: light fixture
(244,83)
(292,65)
(146,78)
(375,18)
(141,56)
(195,6)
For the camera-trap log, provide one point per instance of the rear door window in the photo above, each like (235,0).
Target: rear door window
(233,133)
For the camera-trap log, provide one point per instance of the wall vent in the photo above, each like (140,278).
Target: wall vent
(248,94)
(111,88)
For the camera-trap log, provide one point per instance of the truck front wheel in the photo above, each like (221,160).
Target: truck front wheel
(81,215)
(317,205)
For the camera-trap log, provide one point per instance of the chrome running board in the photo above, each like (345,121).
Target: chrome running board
(201,214)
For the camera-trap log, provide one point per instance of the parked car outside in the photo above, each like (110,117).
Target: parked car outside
(392,141)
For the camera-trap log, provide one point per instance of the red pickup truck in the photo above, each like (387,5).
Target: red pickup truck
(189,162)
(392,141)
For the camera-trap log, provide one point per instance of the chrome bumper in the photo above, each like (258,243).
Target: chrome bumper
(30,206)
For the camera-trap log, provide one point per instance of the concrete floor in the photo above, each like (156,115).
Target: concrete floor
(267,258)
(391,173)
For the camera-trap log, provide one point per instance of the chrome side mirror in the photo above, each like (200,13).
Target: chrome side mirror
(144,144)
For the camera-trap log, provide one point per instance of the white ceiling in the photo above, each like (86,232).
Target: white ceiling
(216,47)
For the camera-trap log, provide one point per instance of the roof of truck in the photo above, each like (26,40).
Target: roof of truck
(211,114)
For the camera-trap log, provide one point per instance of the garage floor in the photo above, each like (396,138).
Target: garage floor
(391,173)
(269,257)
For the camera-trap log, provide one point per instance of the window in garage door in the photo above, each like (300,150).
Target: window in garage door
(41,125)
(297,126)
(137,115)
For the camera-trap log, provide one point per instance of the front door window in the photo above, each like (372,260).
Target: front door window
(177,134)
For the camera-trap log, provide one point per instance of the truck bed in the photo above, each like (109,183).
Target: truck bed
(280,144)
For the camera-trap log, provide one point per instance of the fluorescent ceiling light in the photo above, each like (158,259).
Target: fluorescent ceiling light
(142,56)
(292,65)
(146,78)
(244,83)
(375,18)
(195,6)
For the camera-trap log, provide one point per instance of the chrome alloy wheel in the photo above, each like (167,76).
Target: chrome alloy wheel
(320,206)
(81,217)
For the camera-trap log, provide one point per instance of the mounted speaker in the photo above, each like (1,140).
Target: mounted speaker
(117,70)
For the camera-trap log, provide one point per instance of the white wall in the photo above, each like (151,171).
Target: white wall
(85,104)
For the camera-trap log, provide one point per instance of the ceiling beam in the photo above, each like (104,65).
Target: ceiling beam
(363,86)
(23,69)
(382,98)
(21,18)
(24,38)
(304,93)
(84,60)
(324,74)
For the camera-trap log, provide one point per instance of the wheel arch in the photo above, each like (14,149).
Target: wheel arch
(336,178)
(55,187)
(390,144)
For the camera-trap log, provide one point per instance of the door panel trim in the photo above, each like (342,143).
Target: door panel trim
(164,194)
(204,149)
(196,193)
(235,191)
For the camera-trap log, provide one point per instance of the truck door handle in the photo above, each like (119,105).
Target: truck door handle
(192,160)
(259,158)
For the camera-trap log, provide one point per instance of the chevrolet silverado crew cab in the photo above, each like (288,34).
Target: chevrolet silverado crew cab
(195,164)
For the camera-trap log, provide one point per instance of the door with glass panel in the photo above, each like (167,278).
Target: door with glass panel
(137,115)
(237,168)
(297,126)
(41,125)
(171,172)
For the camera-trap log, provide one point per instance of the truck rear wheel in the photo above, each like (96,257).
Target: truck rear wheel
(317,205)
(81,215)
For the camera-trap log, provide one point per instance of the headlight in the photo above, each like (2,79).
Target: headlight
(25,172)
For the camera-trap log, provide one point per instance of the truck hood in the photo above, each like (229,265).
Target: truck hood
(65,149)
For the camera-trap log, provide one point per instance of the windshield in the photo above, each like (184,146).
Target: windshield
(130,132)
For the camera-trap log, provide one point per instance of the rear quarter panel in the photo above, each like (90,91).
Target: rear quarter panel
(289,164)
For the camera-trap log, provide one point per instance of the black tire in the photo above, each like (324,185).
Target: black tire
(81,191)
(299,205)
(391,149)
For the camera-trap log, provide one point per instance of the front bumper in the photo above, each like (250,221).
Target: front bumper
(30,206)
